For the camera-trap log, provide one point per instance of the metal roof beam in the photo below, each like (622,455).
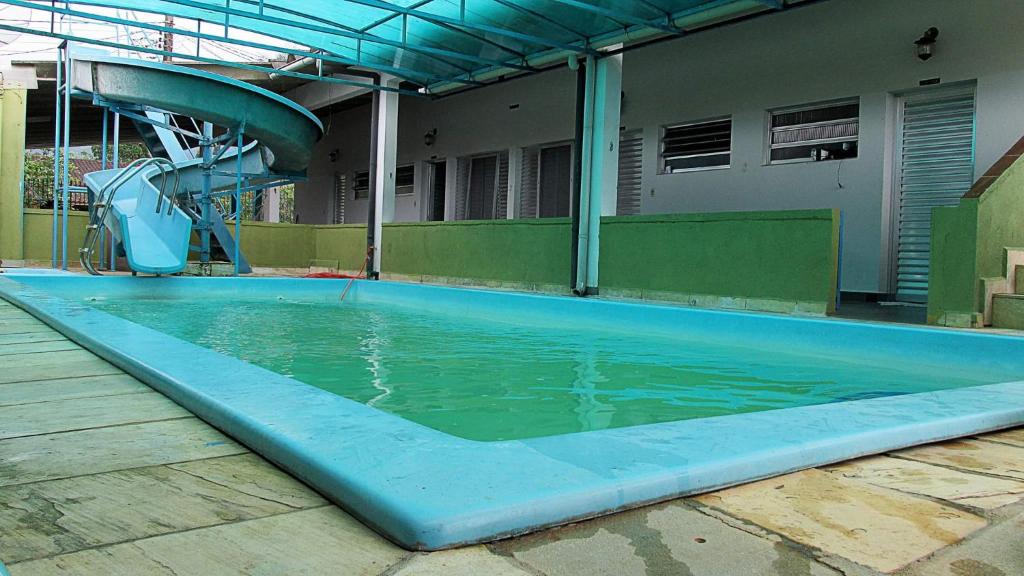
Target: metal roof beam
(405,73)
(344,32)
(367,36)
(619,16)
(477,37)
(463,23)
(240,65)
(335,28)
(394,15)
(546,19)
(349,32)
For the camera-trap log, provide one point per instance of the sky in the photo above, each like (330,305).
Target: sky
(14,46)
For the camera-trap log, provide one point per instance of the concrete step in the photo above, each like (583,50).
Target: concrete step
(1008,311)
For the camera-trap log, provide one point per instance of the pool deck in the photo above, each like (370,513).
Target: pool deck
(101,475)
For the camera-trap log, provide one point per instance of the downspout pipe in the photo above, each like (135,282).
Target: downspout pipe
(583,182)
(371,215)
(577,170)
(296,66)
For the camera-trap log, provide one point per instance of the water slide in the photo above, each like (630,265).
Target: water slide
(137,203)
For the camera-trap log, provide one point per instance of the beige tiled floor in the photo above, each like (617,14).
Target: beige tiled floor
(101,475)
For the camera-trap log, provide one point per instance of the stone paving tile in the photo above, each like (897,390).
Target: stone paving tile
(46,518)
(670,538)
(23,326)
(475,560)
(973,455)
(918,478)
(68,388)
(52,456)
(53,359)
(1014,437)
(875,527)
(311,542)
(67,364)
(83,413)
(38,347)
(997,551)
(45,336)
(250,474)
(598,553)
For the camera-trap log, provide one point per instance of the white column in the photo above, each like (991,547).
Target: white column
(600,163)
(272,205)
(451,185)
(387,160)
(515,170)
(421,189)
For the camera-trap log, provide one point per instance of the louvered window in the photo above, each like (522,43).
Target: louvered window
(405,178)
(339,197)
(697,145)
(361,184)
(814,133)
(631,152)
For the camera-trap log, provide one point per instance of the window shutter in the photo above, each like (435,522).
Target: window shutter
(631,148)
(528,182)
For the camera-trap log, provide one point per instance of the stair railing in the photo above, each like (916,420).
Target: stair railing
(105,199)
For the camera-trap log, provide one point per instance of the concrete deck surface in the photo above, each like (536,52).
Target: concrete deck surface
(101,475)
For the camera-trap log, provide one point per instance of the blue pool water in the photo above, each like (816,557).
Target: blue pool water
(515,376)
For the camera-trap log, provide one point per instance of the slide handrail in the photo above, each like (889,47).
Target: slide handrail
(105,201)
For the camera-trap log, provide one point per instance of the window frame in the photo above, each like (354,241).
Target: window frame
(356,188)
(769,131)
(663,159)
(409,188)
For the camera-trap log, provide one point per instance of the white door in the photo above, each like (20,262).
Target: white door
(936,167)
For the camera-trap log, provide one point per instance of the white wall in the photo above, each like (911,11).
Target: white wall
(829,50)
(468,123)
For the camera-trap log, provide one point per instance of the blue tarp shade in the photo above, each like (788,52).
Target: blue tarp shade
(446,43)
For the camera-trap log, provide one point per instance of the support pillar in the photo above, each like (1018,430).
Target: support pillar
(272,205)
(451,185)
(386,162)
(515,171)
(599,164)
(12,168)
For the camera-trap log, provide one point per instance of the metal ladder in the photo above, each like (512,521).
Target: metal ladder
(105,199)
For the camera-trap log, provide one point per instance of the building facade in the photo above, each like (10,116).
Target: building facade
(827,106)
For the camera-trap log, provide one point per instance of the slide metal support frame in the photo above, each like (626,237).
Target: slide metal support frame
(57,132)
(238,198)
(205,200)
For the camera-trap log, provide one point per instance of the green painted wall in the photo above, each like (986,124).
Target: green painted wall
(953,283)
(12,163)
(513,251)
(38,234)
(341,245)
(968,242)
(782,261)
(786,256)
(1000,220)
(277,245)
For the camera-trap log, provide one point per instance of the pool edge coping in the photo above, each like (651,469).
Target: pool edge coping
(402,518)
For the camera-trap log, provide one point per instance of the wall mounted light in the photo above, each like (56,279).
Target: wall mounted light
(430,137)
(926,43)
(333,155)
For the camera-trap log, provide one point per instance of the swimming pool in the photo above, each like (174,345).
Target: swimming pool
(445,416)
